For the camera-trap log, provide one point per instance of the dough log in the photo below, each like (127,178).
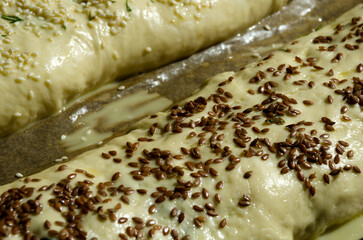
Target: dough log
(273,151)
(54,51)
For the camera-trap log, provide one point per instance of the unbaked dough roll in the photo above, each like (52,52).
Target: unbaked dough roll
(273,151)
(53,51)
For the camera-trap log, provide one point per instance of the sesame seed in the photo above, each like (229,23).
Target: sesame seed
(120,88)
(256,55)
(19,79)
(17,114)
(19,175)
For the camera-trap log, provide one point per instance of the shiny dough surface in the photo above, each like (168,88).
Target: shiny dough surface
(54,51)
(273,151)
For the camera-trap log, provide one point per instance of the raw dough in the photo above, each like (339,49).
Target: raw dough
(305,99)
(53,51)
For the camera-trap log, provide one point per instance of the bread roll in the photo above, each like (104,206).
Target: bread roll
(273,151)
(54,51)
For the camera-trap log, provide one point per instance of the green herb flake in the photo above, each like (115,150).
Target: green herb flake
(3,35)
(11,19)
(90,17)
(127,6)
(318,28)
(283,50)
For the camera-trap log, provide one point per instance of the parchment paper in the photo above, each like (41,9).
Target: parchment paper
(35,148)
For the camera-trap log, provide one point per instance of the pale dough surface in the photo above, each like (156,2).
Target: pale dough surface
(57,50)
(281,206)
